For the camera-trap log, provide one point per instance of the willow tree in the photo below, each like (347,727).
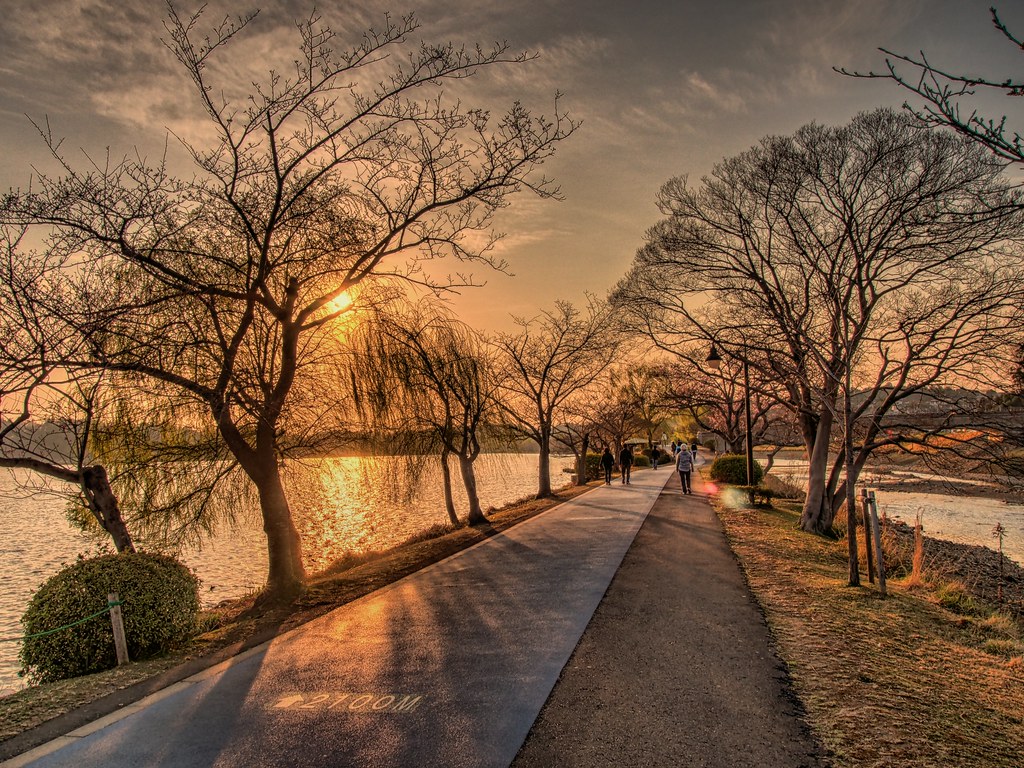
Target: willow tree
(47,414)
(425,373)
(871,260)
(225,285)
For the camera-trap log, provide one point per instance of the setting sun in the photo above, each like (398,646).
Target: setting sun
(339,304)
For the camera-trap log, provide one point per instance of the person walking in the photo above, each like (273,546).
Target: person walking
(607,462)
(655,455)
(626,462)
(684,466)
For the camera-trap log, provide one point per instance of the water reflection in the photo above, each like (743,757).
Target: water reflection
(339,505)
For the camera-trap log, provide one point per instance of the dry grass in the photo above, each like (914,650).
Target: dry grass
(896,682)
(237,625)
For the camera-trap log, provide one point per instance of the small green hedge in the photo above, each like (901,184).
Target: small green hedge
(641,461)
(731,468)
(758,493)
(160,599)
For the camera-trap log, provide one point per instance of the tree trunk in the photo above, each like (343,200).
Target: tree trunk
(476,514)
(286,574)
(851,500)
(817,513)
(446,477)
(103,503)
(544,468)
(581,461)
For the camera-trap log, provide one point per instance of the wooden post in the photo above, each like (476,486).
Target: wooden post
(878,541)
(120,642)
(867,534)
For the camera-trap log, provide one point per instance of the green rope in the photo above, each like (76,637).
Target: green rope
(60,629)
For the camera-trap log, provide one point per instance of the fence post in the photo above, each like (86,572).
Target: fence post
(120,642)
(867,534)
(876,529)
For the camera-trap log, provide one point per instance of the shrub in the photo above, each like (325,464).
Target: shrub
(761,495)
(640,461)
(731,468)
(594,469)
(160,604)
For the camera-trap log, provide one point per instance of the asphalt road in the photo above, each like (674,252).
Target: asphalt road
(677,667)
(447,667)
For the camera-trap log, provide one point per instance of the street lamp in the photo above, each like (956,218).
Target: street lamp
(714,362)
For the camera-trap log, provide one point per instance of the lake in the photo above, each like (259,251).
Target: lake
(963,519)
(339,505)
(353,504)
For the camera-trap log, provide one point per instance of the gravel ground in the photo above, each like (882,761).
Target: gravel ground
(676,667)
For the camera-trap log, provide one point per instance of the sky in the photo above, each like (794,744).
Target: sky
(663,88)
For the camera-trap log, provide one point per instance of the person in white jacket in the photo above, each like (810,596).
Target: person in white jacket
(684,466)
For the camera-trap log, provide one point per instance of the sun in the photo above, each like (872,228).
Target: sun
(339,304)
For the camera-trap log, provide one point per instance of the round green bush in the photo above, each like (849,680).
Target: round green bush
(731,468)
(160,601)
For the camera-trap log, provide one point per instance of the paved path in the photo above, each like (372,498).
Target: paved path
(675,669)
(448,667)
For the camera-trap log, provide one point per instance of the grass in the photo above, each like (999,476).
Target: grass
(238,626)
(926,677)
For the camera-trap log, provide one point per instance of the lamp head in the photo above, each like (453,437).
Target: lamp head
(714,360)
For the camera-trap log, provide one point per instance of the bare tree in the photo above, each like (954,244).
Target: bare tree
(871,258)
(714,400)
(613,409)
(647,386)
(553,356)
(947,96)
(227,286)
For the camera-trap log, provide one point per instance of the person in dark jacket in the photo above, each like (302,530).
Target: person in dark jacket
(626,462)
(655,455)
(607,462)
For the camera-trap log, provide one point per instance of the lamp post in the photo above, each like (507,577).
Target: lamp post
(714,362)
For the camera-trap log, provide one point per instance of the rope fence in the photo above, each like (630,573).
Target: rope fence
(110,605)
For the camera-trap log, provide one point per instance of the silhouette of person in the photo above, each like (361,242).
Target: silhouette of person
(626,462)
(607,462)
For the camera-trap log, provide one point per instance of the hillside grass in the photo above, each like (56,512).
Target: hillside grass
(909,680)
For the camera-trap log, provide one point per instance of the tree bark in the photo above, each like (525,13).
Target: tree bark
(544,468)
(581,461)
(817,513)
(476,514)
(286,574)
(103,504)
(851,500)
(446,477)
